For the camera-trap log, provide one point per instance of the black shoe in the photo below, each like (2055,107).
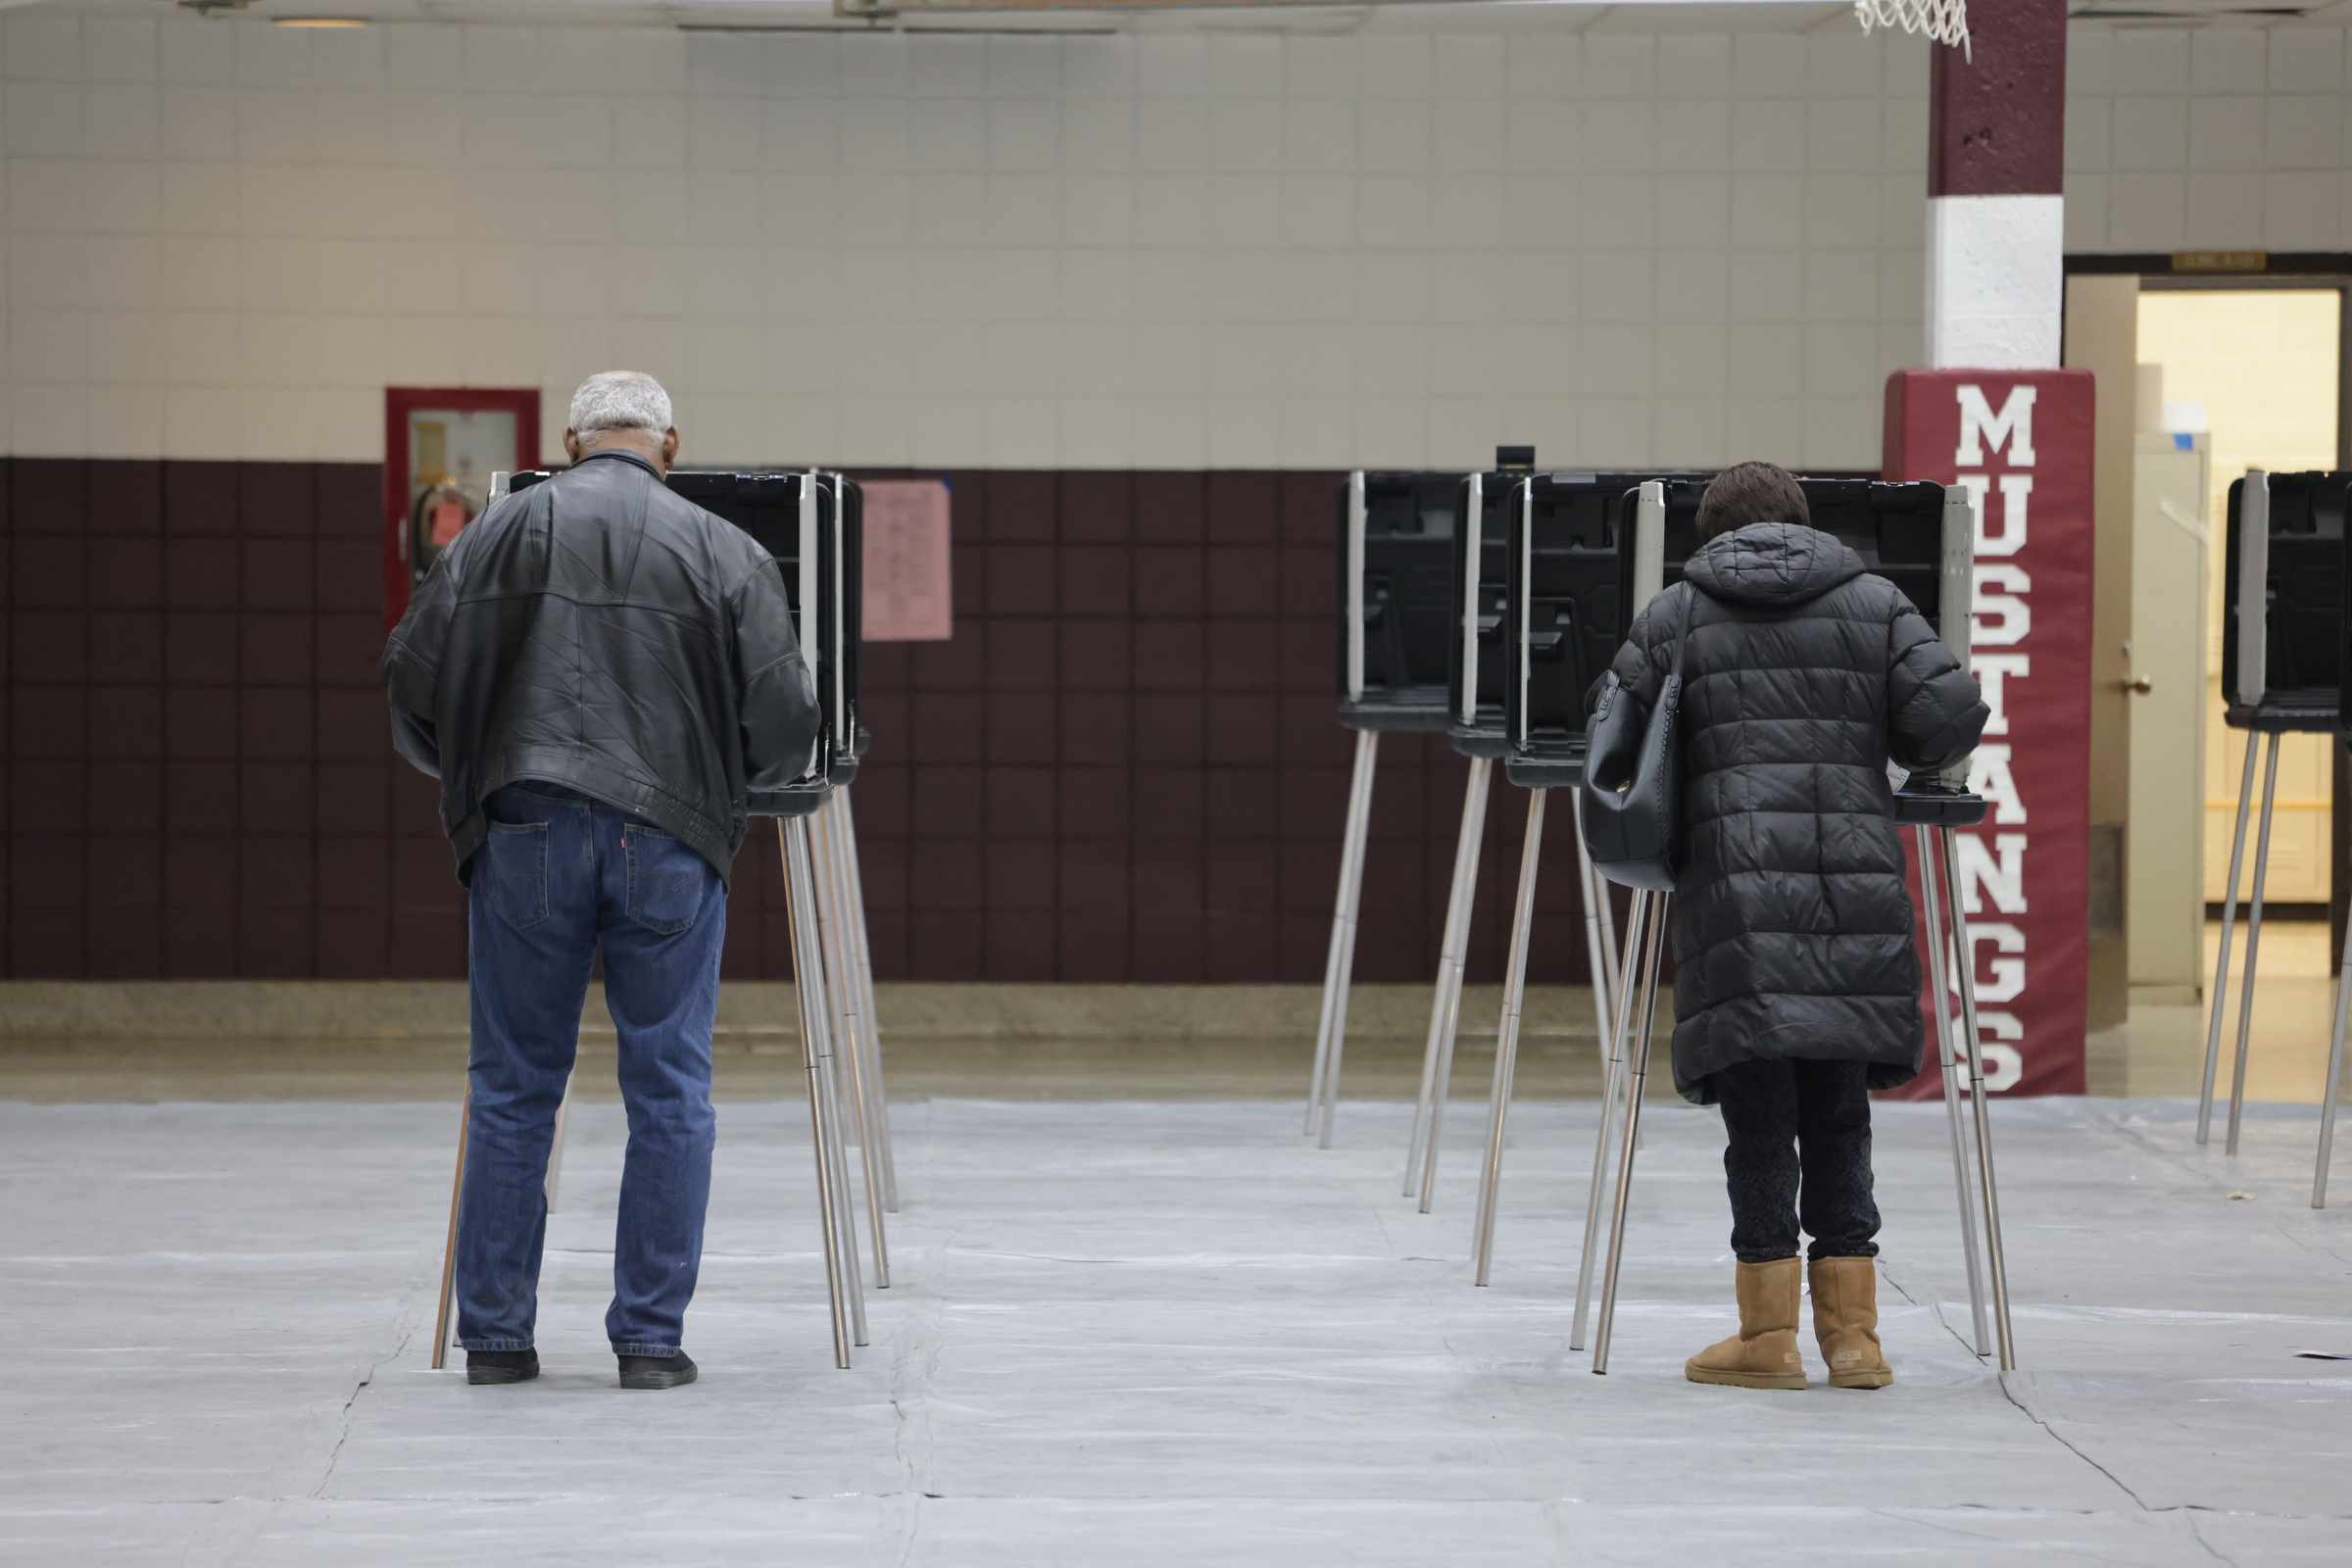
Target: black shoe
(501,1366)
(656,1371)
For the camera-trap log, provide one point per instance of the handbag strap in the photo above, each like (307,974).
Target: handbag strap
(1682,638)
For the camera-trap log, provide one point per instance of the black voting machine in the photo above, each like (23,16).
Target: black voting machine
(1564,607)
(1396,563)
(811,522)
(2285,645)
(1897,529)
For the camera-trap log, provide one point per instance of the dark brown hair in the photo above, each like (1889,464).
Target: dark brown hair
(1751,492)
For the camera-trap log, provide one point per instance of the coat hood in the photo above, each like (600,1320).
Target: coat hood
(1773,563)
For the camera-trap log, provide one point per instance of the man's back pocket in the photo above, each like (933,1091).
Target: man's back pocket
(667,879)
(514,856)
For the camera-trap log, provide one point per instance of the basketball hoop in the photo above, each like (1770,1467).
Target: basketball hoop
(1944,21)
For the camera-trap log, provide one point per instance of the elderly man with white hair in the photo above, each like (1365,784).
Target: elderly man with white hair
(601,674)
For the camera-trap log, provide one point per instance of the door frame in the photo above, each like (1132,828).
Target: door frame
(2193,272)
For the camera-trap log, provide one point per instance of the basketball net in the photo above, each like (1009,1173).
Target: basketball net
(1944,21)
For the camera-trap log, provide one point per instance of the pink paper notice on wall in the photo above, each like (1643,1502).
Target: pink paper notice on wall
(909,598)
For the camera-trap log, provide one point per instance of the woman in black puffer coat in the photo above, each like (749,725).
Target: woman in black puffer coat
(1797,985)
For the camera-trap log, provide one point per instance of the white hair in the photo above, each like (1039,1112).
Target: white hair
(619,400)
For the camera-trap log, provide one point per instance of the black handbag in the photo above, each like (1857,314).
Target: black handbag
(1633,789)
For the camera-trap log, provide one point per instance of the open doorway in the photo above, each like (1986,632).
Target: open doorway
(2256,372)
(2249,374)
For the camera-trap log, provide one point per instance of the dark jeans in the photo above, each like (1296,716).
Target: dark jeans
(1799,1149)
(558,877)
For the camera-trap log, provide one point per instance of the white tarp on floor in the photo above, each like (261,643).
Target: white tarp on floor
(1142,1334)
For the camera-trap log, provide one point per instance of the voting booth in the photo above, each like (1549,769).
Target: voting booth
(1395,639)
(1922,537)
(2283,651)
(1561,623)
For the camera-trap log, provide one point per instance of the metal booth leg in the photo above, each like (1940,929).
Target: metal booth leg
(1609,1017)
(1939,991)
(457,1193)
(1611,1079)
(1611,948)
(1973,1039)
(862,972)
(842,994)
(1437,1060)
(1507,1034)
(856,967)
(554,1148)
(2335,1073)
(807,966)
(1653,947)
(830,1081)
(856,972)
(1338,966)
(844,1202)
(449,1247)
(866,1059)
(845,1220)
(2220,968)
(2245,987)
(1471,831)
(1601,959)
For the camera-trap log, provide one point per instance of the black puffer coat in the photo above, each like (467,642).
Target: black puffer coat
(1804,675)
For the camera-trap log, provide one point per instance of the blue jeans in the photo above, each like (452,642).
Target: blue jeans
(560,876)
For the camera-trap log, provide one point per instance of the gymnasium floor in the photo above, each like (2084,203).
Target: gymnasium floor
(1149,1331)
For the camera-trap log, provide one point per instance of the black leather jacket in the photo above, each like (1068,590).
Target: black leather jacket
(599,631)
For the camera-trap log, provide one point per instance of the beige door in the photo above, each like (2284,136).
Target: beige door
(2165,878)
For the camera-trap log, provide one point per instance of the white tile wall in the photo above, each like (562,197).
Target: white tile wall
(2213,140)
(223,239)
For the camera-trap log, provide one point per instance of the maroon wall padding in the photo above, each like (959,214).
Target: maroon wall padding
(1123,767)
(1997,115)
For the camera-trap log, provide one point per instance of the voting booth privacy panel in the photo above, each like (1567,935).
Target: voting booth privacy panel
(1396,590)
(1897,529)
(1476,657)
(813,524)
(809,523)
(2300,635)
(1565,614)
(2019,444)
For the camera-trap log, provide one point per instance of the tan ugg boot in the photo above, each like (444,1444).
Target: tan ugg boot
(1845,1320)
(1763,1355)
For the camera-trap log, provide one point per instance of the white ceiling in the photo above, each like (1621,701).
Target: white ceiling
(1442,15)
